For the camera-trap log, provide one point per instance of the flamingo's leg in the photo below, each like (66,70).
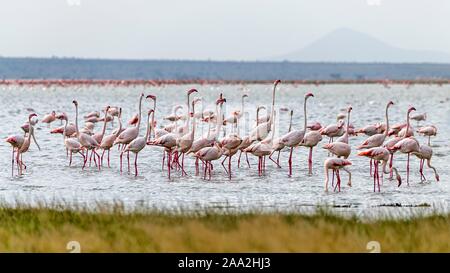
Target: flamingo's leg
(135,165)
(12,162)
(310,161)
(223,165)
(391,172)
(407,170)
(128,160)
(169,154)
(70,159)
(370,167)
(239,159)
(276,162)
(290,161)
(229,166)
(248,162)
(196,166)
(108,159)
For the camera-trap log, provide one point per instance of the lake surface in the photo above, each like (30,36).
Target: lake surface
(48,177)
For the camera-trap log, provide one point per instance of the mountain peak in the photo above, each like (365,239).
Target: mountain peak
(347,45)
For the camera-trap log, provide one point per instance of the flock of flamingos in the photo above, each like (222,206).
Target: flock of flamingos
(178,141)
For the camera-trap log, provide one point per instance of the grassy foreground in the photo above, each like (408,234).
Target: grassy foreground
(50,229)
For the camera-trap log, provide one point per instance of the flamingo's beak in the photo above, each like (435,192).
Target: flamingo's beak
(309,95)
(277,82)
(153,97)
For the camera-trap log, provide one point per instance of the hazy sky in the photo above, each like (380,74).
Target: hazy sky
(210,29)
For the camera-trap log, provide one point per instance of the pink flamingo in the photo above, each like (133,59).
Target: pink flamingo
(293,138)
(344,138)
(16,142)
(407,146)
(49,118)
(185,142)
(86,141)
(99,136)
(337,164)
(137,144)
(425,153)
(248,140)
(333,130)
(428,131)
(315,126)
(26,145)
(129,134)
(277,145)
(310,140)
(377,140)
(405,131)
(72,144)
(378,154)
(108,141)
(209,154)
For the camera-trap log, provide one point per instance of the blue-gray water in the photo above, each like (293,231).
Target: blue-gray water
(49,178)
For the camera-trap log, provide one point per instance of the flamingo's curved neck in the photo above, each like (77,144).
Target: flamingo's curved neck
(304,113)
(273,102)
(104,124)
(140,109)
(149,125)
(387,120)
(120,124)
(65,129)
(193,122)
(76,120)
(407,123)
(290,121)
(219,121)
(347,126)
(188,112)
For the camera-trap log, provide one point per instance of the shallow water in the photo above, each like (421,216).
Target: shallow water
(48,177)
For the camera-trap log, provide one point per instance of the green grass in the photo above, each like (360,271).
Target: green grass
(112,229)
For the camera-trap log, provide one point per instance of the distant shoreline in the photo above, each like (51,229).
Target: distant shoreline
(115,82)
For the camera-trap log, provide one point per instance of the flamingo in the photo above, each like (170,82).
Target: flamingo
(425,153)
(263,149)
(369,130)
(419,117)
(99,136)
(185,129)
(49,118)
(336,164)
(26,126)
(87,141)
(310,140)
(16,142)
(26,145)
(344,138)
(184,143)
(428,131)
(137,144)
(249,140)
(72,144)
(407,146)
(378,154)
(294,137)
(277,145)
(315,126)
(129,134)
(236,115)
(209,154)
(333,130)
(108,141)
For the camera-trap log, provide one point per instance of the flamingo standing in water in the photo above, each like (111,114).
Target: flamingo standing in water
(277,145)
(377,140)
(72,144)
(407,146)
(310,140)
(184,143)
(392,147)
(209,154)
(333,130)
(137,144)
(249,139)
(108,141)
(129,134)
(380,154)
(295,137)
(428,131)
(49,118)
(16,142)
(87,141)
(337,164)
(26,145)
(425,153)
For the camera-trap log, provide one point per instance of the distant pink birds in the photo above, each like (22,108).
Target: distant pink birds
(337,164)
